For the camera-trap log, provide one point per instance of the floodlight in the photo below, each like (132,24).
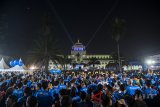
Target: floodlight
(153,62)
(32,67)
(149,62)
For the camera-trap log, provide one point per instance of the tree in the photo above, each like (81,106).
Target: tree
(64,60)
(45,49)
(93,61)
(46,46)
(118,33)
(114,57)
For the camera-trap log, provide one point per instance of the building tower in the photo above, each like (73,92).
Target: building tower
(78,52)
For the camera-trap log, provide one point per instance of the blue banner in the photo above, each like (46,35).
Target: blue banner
(56,71)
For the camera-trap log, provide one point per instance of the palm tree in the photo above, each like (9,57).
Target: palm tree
(114,57)
(64,60)
(118,32)
(93,61)
(45,49)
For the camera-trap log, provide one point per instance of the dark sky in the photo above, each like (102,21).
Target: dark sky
(21,21)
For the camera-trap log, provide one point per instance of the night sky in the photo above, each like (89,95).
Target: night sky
(21,22)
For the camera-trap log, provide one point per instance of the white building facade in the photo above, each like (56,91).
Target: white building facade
(80,59)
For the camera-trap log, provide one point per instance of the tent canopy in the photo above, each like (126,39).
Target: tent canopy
(17,68)
(3,65)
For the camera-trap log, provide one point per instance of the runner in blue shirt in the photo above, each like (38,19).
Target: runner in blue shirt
(43,96)
(19,92)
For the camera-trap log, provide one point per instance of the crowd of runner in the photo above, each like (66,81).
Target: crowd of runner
(108,89)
